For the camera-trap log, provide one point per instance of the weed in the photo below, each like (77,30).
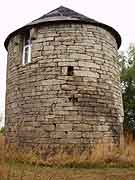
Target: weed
(102,156)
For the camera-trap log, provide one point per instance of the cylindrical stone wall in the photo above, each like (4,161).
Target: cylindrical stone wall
(70,93)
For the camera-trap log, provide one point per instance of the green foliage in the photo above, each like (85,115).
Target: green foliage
(128,87)
(2,130)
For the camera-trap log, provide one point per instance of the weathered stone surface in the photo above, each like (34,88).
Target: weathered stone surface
(69,93)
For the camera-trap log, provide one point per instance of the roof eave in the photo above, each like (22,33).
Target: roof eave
(60,20)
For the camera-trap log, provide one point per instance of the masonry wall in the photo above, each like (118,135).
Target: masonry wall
(70,93)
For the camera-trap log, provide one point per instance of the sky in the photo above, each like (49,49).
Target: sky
(14,14)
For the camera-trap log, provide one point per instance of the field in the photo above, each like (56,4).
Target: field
(25,172)
(16,165)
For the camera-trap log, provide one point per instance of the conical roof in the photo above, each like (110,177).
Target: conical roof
(63,14)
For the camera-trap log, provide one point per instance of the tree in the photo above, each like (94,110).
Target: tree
(127,62)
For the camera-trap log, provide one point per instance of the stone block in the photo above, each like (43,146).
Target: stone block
(88,64)
(64,127)
(86,74)
(80,56)
(68,63)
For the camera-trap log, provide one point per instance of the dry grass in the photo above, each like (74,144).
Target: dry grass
(21,165)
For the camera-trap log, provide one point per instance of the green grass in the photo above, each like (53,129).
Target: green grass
(20,171)
(19,165)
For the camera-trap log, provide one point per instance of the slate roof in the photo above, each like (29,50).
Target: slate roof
(63,14)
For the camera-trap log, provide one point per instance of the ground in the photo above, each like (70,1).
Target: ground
(19,166)
(27,172)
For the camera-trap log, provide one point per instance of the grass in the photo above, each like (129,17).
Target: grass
(104,163)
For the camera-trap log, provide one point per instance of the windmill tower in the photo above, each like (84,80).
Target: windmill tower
(63,85)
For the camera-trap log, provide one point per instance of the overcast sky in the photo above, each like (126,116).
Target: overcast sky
(13,14)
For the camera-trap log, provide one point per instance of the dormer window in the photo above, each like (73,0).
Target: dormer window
(26,58)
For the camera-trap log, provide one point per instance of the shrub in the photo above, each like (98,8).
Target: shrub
(2,130)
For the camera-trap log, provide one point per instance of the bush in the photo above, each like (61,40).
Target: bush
(2,130)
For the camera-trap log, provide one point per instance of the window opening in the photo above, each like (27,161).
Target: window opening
(54,125)
(27,49)
(70,71)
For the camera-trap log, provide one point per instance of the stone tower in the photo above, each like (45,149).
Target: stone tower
(63,85)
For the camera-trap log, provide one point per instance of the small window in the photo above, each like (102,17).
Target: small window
(26,58)
(70,71)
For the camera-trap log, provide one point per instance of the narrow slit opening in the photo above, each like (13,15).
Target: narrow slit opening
(54,125)
(70,71)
